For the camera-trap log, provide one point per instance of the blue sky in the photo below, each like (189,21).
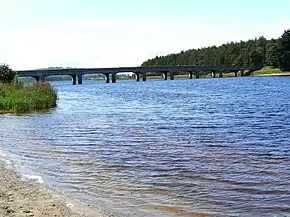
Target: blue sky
(112,33)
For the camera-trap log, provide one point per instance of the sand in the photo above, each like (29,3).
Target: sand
(21,198)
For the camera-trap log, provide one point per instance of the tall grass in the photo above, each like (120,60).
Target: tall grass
(25,98)
(267,70)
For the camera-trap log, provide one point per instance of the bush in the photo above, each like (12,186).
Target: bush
(17,99)
(6,74)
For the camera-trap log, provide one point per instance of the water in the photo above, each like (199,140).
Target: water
(162,148)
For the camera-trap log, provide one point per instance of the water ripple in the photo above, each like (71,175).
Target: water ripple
(156,148)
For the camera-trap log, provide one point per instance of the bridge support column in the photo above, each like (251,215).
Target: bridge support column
(42,79)
(107,78)
(144,77)
(74,79)
(137,76)
(197,75)
(37,78)
(242,73)
(171,75)
(236,74)
(113,78)
(164,75)
(213,74)
(190,75)
(250,72)
(221,75)
(80,79)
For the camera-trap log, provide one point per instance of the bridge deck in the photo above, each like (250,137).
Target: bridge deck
(83,71)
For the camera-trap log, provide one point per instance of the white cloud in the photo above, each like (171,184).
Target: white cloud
(112,43)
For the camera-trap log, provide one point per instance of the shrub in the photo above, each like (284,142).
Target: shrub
(6,74)
(27,98)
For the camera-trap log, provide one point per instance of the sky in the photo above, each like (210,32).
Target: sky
(115,33)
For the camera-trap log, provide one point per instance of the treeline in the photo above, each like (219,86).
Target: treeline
(256,52)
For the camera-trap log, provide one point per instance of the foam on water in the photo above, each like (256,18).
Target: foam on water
(3,157)
(35,178)
(26,175)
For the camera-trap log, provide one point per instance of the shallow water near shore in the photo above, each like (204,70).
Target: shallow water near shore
(162,148)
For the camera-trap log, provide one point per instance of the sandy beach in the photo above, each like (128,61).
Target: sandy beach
(20,198)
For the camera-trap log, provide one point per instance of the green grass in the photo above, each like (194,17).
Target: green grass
(21,99)
(267,70)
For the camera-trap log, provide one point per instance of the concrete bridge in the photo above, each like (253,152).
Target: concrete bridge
(140,72)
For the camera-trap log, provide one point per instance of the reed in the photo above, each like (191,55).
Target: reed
(22,98)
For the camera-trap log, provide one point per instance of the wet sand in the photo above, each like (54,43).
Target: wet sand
(20,198)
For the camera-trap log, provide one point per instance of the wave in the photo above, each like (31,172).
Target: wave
(25,177)
(4,158)
(35,178)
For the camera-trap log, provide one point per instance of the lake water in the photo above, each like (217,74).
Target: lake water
(162,148)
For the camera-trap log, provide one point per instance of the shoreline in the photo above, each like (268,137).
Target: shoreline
(27,198)
(275,74)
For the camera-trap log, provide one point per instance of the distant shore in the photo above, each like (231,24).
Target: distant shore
(275,74)
(21,198)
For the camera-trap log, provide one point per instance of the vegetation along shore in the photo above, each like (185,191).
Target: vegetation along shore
(19,97)
(260,51)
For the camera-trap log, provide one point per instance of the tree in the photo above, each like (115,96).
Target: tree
(261,44)
(6,74)
(271,58)
(256,58)
(238,60)
(284,50)
(256,52)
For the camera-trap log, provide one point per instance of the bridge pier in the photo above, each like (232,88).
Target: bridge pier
(197,75)
(171,75)
(113,78)
(107,77)
(249,73)
(144,77)
(74,79)
(137,76)
(242,73)
(221,74)
(190,75)
(236,74)
(42,78)
(164,75)
(37,78)
(80,79)
(213,74)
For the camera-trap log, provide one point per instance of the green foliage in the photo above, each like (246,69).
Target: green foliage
(6,74)
(271,58)
(256,58)
(19,99)
(251,52)
(284,51)
(267,70)
(256,52)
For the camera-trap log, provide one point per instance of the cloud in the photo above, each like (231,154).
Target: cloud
(113,43)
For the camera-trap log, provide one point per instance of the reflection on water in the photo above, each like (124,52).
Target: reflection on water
(163,148)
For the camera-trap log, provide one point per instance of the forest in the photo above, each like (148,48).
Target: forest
(255,52)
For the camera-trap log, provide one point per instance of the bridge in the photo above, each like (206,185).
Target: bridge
(140,72)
